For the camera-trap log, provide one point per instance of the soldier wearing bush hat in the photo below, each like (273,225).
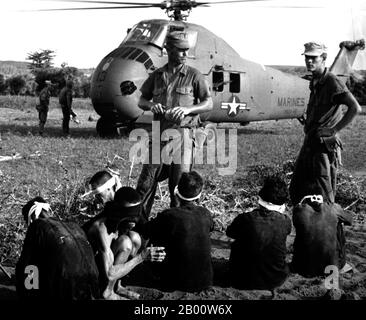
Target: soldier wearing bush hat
(314,49)
(178,39)
(176,94)
(320,155)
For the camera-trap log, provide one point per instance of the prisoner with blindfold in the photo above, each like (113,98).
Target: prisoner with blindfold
(60,251)
(184,231)
(320,240)
(258,254)
(116,245)
(102,188)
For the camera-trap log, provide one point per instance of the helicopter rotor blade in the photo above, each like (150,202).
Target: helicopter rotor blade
(114,2)
(221,2)
(209,3)
(94,8)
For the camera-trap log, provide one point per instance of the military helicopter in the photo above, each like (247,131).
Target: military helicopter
(242,91)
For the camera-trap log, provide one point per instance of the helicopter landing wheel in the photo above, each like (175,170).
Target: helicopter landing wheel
(106,127)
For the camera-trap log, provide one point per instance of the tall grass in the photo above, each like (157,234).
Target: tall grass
(28,102)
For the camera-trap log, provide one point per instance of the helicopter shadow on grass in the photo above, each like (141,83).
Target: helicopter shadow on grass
(248,131)
(49,132)
(124,132)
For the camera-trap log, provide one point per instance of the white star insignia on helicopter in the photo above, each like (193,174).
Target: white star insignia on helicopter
(234,107)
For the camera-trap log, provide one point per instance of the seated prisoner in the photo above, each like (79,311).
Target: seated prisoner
(258,254)
(319,240)
(115,245)
(57,261)
(184,231)
(102,187)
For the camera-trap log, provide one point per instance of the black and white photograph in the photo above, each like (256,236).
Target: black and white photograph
(182,150)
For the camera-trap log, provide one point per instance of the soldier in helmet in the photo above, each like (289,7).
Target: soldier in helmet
(176,94)
(319,156)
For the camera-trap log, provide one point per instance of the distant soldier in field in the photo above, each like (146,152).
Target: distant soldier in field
(65,99)
(42,107)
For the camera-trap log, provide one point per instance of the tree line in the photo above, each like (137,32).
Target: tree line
(41,68)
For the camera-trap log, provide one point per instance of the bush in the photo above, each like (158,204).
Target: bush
(3,85)
(16,84)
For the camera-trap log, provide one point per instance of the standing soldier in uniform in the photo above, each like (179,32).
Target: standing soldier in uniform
(320,154)
(44,101)
(65,99)
(176,94)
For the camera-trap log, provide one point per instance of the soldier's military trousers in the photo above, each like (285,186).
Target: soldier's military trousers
(315,164)
(182,153)
(42,116)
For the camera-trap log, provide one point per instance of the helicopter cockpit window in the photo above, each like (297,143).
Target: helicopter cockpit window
(145,32)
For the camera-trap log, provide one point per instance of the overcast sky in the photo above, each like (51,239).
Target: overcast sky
(264,32)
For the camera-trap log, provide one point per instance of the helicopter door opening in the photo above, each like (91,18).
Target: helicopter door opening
(234,82)
(218,81)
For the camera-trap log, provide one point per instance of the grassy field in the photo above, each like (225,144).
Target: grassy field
(57,168)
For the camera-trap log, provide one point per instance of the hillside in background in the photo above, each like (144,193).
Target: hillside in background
(8,69)
(11,68)
(295,70)
(14,68)
(301,70)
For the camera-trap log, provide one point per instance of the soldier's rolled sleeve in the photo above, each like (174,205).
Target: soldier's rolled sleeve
(201,88)
(147,87)
(337,87)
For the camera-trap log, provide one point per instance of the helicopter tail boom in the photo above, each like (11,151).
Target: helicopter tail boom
(342,65)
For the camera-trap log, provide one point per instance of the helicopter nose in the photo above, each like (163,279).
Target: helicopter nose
(115,89)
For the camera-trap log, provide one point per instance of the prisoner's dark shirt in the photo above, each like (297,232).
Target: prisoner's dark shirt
(258,254)
(64,258)
(185,234)
(186,88)
(319,240)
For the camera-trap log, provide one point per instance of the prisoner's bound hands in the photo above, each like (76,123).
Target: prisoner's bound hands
(155,254)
